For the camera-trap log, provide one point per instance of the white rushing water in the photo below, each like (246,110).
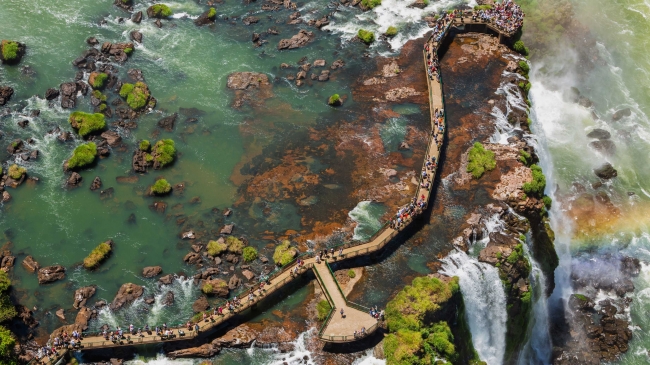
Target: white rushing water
(366,215)
(485,304)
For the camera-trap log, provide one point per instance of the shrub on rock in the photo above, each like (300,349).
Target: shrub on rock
(161,187)
(537,186)
(249,253)
(366,36)
(86,123)
(16,172)
(98,254)
(235,245)
(82,156)
(391,31)
(144,145)
(163,153)
(334,100)
(136,95)
(216,248)
(284,254)
(520,47)
(207,288)
(212,13)
(351,274)
(10,51)
(97,80)
(159,11)
(480,160)
(370,4)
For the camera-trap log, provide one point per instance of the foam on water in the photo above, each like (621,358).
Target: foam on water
(366,214)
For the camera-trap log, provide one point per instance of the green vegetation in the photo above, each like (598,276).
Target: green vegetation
(284,254)
(98,95)
(366,36)
(206,288)
(144,145)
(16,172)
(525,86)
(86,123)
(83,155)
(161,187)
(7,343)
(212,13)
(215,248)
(370,4)
(581,297)
(525,157)
(235,245)
(351,274)
(537,186)
(9,50)
(5,282)
(483,7)
(249,254)
(161,11)
(324,309)
(499,255)
(97,255)
(525,68)
(548,202)
(99,81)
(424,296)
(334,100)
(480,160)
(516,254)
(520,47)
(163,152)
(391,31)
(136,95)
(128,51)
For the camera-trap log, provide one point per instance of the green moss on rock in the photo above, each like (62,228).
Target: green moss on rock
(161,187)
(334,100)
(82,156)
(370,4)
(144,145)
(216,248)
(163,152)
(323,307)
(391,31)
(159,11)
(366,36)
(98,80)
(86,123)
(249,254)
(284,253)
(537,185)
(16,172)
(10,51)
(98,255)
(480,160)
(136,95)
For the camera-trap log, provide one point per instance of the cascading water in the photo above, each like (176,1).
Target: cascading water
(366,214)
(485,304)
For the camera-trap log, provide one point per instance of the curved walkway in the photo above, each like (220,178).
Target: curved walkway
(337,328)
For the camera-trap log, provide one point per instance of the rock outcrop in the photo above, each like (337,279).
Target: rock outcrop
(127,294)
(50,274)
(606,171)
(82,295)
(297,41)
(5,94)
(151,271)
(30,264)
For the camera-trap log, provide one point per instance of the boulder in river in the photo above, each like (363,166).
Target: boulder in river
(208,17)
(620,114)
(599,134)
(136,36)
(166,280)
(74,180)
(51,94)
(606,171)
(5,94)
(30,264)
(151,271)
(205,350)
(137,17)
(96,184)
(299,40)
(201,304)
(247,80)
(227,229)
(82,295)
(127,294)
(167,123)
(605,146)
(50,274)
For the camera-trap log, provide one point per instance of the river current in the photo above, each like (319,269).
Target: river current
(186,67)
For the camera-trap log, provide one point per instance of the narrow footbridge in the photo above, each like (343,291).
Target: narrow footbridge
(337,328)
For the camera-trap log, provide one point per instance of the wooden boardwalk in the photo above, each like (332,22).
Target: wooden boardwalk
(337,327)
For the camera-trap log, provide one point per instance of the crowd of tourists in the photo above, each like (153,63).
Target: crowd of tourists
(507,16)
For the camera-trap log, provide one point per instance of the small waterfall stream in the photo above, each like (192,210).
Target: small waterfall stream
(485,304)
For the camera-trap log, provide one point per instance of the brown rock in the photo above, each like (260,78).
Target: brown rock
(51,273)
(219,287)
(201,304)
(167,279)
(234,282)
(151,271)
(5,94)
(192,258)
(299,40)
(227,229)
(61,314)
(238,337)
(247,80)
(30,264)
(82,295)
(96,184)
(127,294)
(112,138)
(206,350)
(74,180)
(249,275)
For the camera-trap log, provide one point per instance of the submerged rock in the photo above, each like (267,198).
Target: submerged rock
(599,134)
(620,114)
(30,264)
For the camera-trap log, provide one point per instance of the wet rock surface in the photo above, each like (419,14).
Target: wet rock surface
(82,295)
(126,294)
(50,274)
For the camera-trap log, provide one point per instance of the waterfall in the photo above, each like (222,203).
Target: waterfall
(485,304)
(538,347)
